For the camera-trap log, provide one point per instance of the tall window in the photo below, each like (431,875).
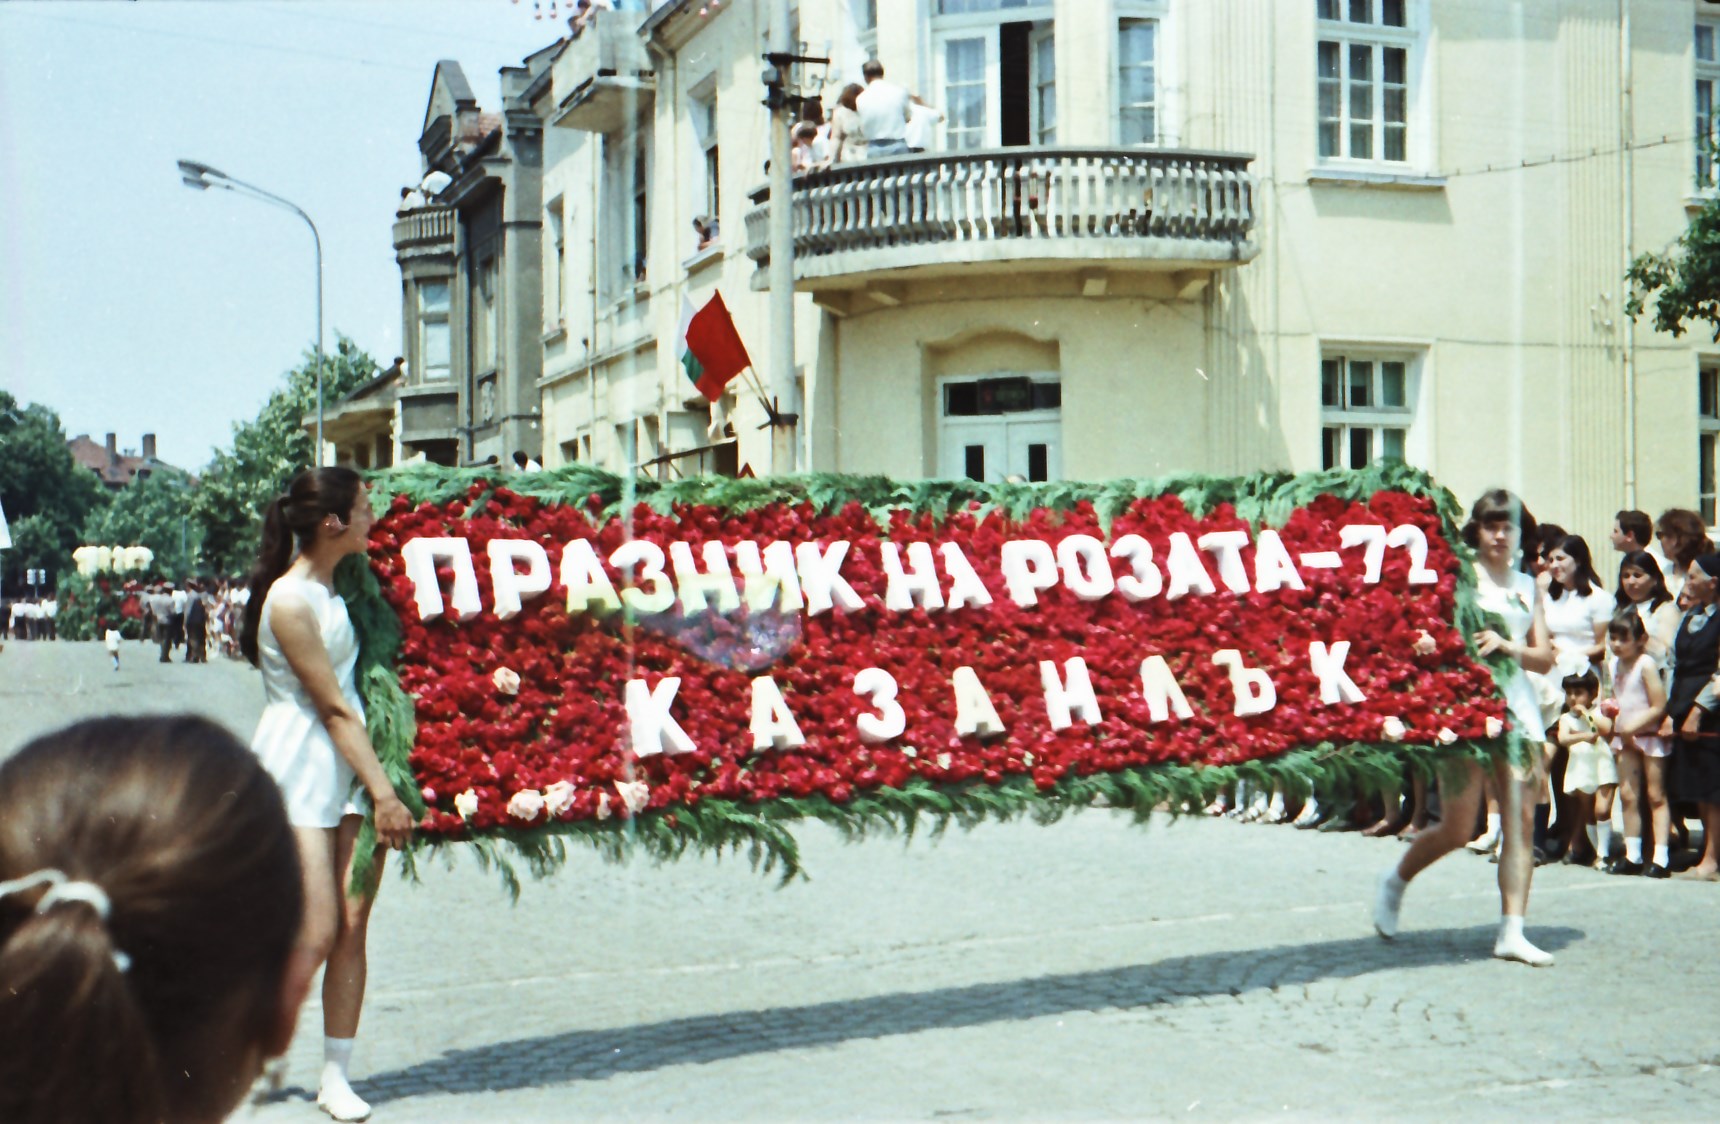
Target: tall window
(1708,433)
(1044,87)
(434,350)
(484,335)
(965,93)
(639,225)
(1362,78)
(556,289)
(1366,410)
(705,136)
(1707,79)
(1137,82)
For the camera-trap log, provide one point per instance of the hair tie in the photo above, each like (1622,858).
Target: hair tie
(63,889)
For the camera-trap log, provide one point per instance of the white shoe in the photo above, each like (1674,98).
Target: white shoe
(1484,845)
(1387,904)
(1519,949)
(340,1102)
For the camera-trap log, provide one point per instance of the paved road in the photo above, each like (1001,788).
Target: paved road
(1087,970)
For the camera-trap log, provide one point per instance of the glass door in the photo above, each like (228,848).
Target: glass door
(968,86)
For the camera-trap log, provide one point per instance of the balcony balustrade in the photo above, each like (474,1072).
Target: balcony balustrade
(429,230)
(598,79)
(1015,208)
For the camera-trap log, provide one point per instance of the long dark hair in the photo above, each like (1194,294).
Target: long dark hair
(1687,525)
(150,1012)
(1577,549)
(292,519)
(1500,506)
(1644,561)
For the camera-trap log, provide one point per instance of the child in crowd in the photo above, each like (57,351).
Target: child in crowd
(1634,715)
(1590,767)
(111,640)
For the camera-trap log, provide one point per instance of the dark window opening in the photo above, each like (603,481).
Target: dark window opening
(1016,97)
(1000,396)
(1036,464)
(975,466)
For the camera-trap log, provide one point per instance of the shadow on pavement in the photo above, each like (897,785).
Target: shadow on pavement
(593,1055)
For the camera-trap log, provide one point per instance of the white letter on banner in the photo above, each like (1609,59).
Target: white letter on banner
(1187,571)
(965,585)
(916,584)
(1273,569)
(1162,691)
(649,723)
(1413,537)
(1143,580)
(1335,683)
(508,587)
(698,587)
(1372,536)
(878,687)
(1086,569)
(421,556)
(1028,567)
(974,713)
(658,596)
(1226,546)
(585,580)
(821,578)
(770,576)
(1255,693)
(1076,696)
(773,724)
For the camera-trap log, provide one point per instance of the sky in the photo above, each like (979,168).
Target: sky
(132,304)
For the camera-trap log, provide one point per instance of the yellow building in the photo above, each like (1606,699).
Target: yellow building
(1152,236)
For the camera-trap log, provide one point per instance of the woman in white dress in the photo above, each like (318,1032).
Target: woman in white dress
(1578,612)
(312,740)
(1497,523)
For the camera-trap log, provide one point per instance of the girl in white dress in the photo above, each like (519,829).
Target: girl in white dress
(1634,714)
(1497,524)
(1578,612)
(312,740)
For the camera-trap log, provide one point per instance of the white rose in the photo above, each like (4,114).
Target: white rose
(104,559)
(602,805)
(1027,759)
(943,760)
(634,794)
(1393,729)
(141,557)
(526,804)
(1446,737)
(428,793)
(1495,727)
(466,804)
(558,798)
(507,681)
(910,751)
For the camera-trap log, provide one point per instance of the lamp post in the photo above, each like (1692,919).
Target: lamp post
(202,177)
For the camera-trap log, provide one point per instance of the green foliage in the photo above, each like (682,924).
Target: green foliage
(90,606)
(153,510)
(762,832)
(47,495)
(1684,282)
(266,453)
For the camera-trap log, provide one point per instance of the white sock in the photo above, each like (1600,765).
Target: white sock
(1633,849)
(1603,841)
(1592,830)
(335,1094)
(1387,902)
(1662,853)
(1490,836)
(1511,944)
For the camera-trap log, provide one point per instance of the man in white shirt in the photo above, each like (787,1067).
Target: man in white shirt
(884,112)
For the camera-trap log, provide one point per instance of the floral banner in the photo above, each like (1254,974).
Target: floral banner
(709,660)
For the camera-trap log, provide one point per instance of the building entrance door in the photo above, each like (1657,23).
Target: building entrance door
(993,429)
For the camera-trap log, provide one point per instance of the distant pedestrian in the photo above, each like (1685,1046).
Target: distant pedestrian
(524,463)
(161,612)
(111,639)
(847,140)
(884,112)
(196,627)
(177,622)
(50,615)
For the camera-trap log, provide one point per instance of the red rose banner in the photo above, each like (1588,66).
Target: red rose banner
(705,662)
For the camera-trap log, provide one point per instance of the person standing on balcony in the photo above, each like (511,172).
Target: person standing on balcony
(847,140)
(922,118)
(884,109)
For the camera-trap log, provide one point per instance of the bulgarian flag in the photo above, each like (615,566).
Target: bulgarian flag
(711,350)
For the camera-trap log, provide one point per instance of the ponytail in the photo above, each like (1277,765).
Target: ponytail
(314,494)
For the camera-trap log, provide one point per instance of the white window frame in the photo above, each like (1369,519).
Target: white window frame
(1166,88)
(1373,418)
(986,25)
(1707,78)
(1708,439)
(439,317)
(1043,38)
(702,116)
(1412,39)
(555,292)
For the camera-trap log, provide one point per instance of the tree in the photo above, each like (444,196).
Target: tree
(266,454)
(153,510)
(48,495)
(1685,280)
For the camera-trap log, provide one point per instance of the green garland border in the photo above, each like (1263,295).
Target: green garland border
(762,832)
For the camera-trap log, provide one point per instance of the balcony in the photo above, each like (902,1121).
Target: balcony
(1014,210)
(599,78)
(424,232)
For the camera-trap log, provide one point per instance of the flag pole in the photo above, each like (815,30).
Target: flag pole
(763,398)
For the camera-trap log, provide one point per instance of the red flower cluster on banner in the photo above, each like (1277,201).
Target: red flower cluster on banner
(524,720)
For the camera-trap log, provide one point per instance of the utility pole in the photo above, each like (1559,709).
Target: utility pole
(779,97)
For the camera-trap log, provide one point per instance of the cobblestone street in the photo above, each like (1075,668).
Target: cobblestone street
(1089,969)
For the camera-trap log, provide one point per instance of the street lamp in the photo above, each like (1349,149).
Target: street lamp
(202,177)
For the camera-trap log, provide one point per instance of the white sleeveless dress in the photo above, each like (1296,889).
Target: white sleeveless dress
(316,781)
(1515,604)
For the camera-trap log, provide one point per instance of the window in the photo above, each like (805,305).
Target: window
(434,350)
(866,14)
(1708,434)
(484,334)
(1362,79)
(1044,88)
(965,72)
(556,290)
(994,73)
(1707,78)
(1366,410)
(638,227)
(704,114)
(1137,82)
